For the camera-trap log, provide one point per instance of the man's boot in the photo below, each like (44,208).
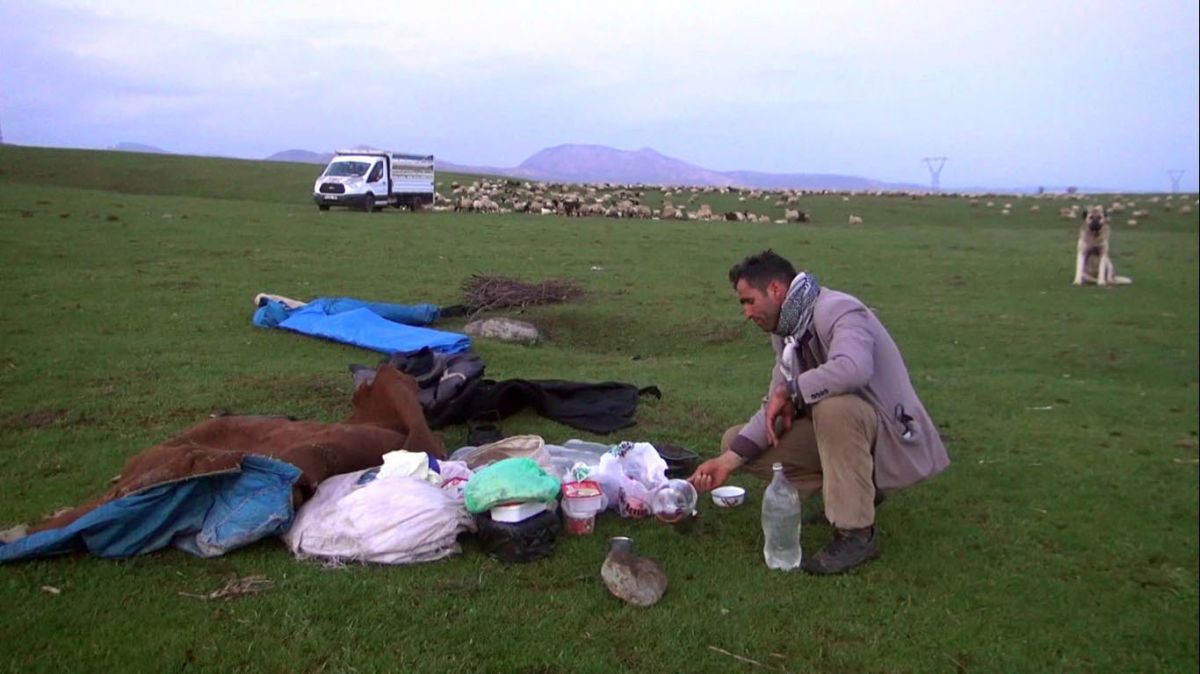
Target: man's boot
(848,549)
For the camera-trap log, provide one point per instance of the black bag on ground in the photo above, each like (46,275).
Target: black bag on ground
(598,408)
(681,461)
(523,541)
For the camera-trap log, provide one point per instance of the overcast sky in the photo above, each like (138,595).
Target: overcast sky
(1015,93)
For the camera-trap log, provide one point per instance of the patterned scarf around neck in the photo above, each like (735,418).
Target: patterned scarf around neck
(795,316)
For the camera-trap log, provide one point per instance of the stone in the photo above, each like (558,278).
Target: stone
(505,330)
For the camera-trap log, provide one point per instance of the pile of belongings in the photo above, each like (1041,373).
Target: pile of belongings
(513,498)
(413,508)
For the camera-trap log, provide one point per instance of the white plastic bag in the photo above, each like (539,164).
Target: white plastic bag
(629,473)
(389,520)
(413,464)
(455,476)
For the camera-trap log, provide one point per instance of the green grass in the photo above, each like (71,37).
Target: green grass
(1064,536)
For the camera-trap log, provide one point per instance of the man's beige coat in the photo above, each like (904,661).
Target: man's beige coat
(849,351)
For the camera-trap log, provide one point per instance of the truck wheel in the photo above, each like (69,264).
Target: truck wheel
(369,202)
(322,207)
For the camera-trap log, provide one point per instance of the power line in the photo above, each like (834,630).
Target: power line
(935,172)
(1176,175)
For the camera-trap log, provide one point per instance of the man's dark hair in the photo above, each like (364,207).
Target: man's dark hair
(759,270)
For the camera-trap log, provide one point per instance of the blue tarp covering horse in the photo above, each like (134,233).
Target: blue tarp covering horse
(206,515)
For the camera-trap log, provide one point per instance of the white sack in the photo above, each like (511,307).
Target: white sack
(388,520)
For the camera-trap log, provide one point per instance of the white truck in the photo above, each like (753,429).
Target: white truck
(372,179)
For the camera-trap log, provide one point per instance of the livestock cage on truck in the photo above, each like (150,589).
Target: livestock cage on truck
(370,180)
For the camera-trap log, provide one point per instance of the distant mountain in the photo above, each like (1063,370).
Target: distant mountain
(126,146)
(302,156)
(813,181)
(597,163)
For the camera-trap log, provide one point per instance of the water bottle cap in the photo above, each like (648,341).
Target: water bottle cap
(777,466)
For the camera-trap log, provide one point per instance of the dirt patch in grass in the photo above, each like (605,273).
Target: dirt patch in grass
(44,418)
(34,419)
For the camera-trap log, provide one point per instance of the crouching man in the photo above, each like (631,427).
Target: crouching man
(841,414)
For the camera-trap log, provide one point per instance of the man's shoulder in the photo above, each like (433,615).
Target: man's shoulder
(832,303)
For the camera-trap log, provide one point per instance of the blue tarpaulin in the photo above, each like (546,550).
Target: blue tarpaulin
(207,516)
(378,326)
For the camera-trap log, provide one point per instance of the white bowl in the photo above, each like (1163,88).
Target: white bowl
(728,496)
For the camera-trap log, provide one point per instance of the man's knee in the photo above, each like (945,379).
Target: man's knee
(730,434)
(850,412)
(840,407)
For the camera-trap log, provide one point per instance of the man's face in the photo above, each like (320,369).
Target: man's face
(759,306)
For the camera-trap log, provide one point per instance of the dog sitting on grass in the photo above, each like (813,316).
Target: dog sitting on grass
(1092,261)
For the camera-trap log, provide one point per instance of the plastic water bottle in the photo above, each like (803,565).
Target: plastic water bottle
(781,522)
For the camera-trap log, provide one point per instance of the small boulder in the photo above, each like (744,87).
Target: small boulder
(505,330)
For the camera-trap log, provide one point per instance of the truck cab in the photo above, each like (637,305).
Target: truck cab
(369,180)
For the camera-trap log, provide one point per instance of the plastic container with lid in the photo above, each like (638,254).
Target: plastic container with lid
(580,503)
(582,498)
(517,512)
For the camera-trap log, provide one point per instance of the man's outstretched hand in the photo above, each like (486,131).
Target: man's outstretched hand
(713,473)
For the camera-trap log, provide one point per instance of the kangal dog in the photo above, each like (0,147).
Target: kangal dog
(1092,262)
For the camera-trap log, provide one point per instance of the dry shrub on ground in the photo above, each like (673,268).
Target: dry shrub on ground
(482,292)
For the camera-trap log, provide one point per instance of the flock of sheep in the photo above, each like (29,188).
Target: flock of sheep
(1120,205)
(501,195)
(609,201)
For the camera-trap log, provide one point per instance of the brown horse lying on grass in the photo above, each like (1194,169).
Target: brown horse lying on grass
(387,416)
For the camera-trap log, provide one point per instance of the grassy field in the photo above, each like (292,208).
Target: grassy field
(1064,536)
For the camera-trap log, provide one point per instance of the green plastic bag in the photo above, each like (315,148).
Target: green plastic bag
(509,480)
